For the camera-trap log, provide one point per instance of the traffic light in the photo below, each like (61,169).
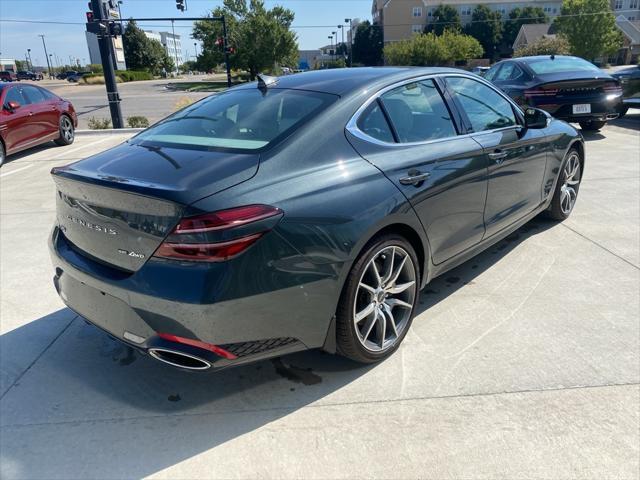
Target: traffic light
(180,5)
(115,29)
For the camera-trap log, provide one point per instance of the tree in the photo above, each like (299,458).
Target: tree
(545,46)
(517,18)
(486,27)
(136,47)
(431,49)
(368,43)
(445,17)
(261,38)
(22,65)
(590,28)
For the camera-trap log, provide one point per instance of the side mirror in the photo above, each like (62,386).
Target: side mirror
(11,106)
(535,118)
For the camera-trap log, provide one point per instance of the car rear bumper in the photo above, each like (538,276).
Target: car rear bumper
(601,110)
(133,309)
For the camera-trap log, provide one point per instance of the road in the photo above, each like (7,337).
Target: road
(523,362)
(150,99)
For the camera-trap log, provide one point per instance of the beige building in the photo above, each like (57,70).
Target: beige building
(402,18)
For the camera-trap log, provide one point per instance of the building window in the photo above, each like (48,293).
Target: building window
(633,4)
(416,28)
(465,10)
(417,11)
(618,5)
(430,12)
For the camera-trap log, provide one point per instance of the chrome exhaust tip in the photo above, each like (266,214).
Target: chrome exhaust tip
(179,359)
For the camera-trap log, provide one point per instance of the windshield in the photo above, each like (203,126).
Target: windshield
(561,64)
(245,119)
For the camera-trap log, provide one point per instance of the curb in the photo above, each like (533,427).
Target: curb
(109,131)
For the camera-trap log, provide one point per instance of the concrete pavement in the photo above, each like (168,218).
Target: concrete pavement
(523,362)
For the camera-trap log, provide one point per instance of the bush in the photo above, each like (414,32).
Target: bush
(95,68)
(431,49)
(138,121)
(99,123)
(545,46)
(133,76)
(183,102)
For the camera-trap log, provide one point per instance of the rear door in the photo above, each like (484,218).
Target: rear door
(411,134)
(44,113)
(516,156)
(15,123)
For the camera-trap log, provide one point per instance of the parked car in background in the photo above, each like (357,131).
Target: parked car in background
(629,79)
(65,75)
(28,75)
(75,78)
(8,76)
(569,88)
(480,70)
(32,115)
(293,212)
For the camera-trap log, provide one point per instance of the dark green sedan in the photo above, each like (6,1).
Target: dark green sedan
(302,212)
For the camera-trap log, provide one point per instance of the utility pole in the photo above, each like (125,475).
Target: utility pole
(225,44)
(342,45)
(350,22)
(106,55)
(46,55)
(175,44)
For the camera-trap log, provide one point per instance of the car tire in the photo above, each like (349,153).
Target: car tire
(566,193)
(3,154)
(592,126)
(67,131)
(378,301)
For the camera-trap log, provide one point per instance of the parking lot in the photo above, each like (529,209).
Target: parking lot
(524,362)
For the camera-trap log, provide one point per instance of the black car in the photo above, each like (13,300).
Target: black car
(569,88)
(27,75)
(301,212)
(629,79)
(76,77)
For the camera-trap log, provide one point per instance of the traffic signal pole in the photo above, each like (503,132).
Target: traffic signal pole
(106,55)
(226,51)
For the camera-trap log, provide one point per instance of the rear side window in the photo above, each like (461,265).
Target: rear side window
(509,71)
(34,94)
(485,108)
(15,95)
(245,119)
(491,73)
(373,123)
(418,112)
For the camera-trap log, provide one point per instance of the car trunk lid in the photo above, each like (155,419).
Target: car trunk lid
(118,206)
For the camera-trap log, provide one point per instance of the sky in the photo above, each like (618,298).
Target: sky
(314,22)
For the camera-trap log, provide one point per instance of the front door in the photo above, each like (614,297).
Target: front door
(410,135)
(516,156)
(15,122)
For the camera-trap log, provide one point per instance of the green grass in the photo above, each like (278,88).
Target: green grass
(198,86)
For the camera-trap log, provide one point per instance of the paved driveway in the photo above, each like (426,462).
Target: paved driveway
(524,362)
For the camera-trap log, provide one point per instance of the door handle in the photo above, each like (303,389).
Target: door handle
(498,156)
(414,177)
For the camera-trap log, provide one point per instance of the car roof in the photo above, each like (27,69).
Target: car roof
(342,81)
(535,58)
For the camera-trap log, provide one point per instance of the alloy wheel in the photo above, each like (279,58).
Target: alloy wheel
(569,189)
(67,129)
(384,299)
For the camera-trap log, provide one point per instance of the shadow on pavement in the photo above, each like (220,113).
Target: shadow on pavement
(125,414)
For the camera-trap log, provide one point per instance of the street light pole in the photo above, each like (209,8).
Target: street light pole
(46,55)
(30,62)
(195,45)
(335,34)
(342,45)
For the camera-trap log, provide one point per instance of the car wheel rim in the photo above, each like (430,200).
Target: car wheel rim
(67,129)
(569,190)
(384,299)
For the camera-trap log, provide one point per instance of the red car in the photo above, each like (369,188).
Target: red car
(8,76)
(32,115)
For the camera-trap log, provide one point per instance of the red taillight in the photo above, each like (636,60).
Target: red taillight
(198,344)
(207,251)
(540,92)
(225,219)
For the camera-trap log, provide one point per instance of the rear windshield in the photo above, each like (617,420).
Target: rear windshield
(246,119)
(561,64)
